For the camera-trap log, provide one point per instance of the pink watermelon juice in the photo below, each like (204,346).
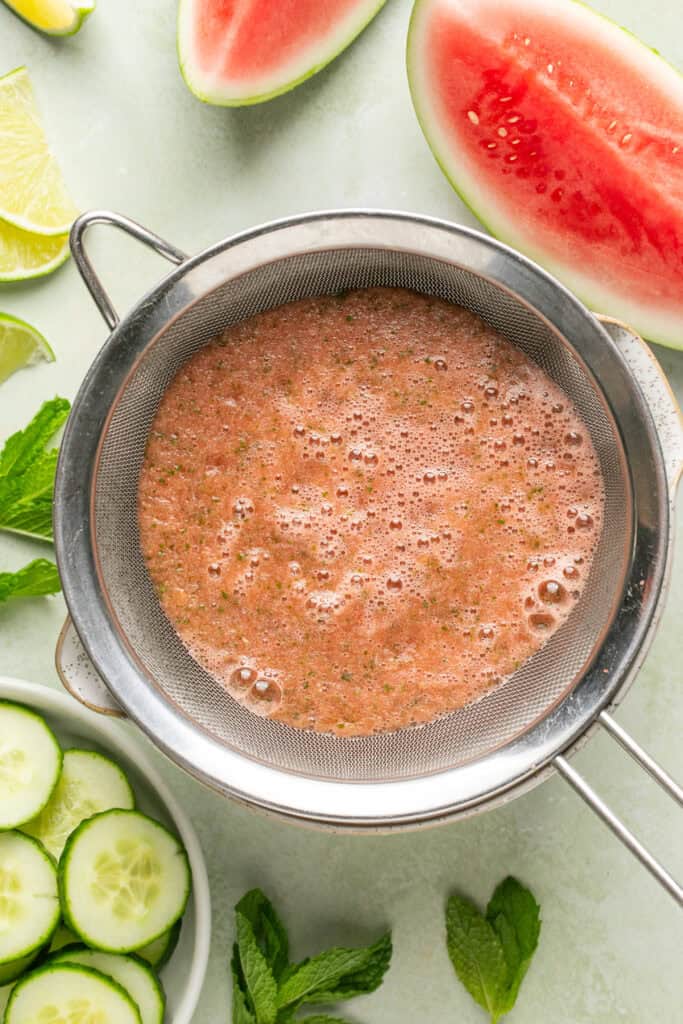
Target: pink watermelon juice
(362,512)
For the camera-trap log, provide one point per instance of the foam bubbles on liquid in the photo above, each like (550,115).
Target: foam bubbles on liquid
(412,506)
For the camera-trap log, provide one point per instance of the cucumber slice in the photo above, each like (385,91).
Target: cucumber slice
(159,952)
(89,783)
(124,880)
(29,900)
(138,979)
(30,763)
(15,968)
(67,994)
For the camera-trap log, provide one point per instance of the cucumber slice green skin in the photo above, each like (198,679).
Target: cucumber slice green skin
(159,952)
(95,909)
(15,968)
(30,742)
(5,993)
(156,953)
(89,783)
(65,983)
(36,899)
(136,976)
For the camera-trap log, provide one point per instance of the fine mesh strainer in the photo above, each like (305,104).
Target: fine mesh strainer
(466,760)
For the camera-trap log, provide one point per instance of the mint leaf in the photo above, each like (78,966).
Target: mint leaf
(320,973)
(476,954)
(26,500)
(514,915)
(241,1013)
(22,448)
(268,930)
(27,473)
(259,983)
(360,981)
(286,1016)
(35,579)
(323,1018)
(289,970)
(336,974)
(491,954)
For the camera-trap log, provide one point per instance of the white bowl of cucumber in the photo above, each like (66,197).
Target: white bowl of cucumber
(109,913)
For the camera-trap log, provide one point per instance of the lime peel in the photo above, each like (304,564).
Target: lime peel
(53,17)
(21,345)
(24,255)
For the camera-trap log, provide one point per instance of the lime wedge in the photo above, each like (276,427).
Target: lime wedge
(20,345)
(33,195)
(24,255)
(54,17)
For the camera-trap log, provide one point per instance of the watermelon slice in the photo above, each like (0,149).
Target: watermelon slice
(564,134)
(238,52)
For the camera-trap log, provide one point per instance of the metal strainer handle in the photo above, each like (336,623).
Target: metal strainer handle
(598,805)
(85,267)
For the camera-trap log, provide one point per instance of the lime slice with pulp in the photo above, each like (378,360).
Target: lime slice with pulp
(20,345)
(54,17)
(33,195)
(24,255)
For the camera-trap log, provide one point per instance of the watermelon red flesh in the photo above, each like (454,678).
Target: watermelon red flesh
(565,135)
(244,51)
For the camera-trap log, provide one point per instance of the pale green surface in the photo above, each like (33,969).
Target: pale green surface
(131,137)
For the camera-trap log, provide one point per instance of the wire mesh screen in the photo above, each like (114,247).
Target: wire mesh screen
(463,735)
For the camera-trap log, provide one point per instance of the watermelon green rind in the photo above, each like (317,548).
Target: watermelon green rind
(216,97)
(659,326)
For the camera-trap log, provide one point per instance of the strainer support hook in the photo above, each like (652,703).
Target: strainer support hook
(598,805)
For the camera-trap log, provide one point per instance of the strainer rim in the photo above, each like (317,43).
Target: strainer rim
(64,534)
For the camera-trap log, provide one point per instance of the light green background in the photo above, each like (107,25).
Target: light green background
(131,137)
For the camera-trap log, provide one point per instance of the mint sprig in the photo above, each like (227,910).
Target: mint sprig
(491,952)
(35,579)
(27,473)
(268,989)
(259,980)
